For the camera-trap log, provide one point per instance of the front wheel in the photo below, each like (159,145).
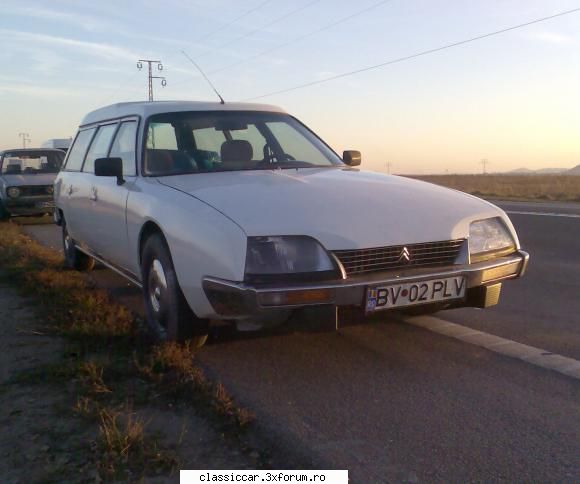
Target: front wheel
(4,215)
(73,257)
(167,312)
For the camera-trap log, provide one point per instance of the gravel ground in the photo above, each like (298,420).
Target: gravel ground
(43,440)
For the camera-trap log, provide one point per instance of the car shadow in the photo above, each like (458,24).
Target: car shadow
(322,319)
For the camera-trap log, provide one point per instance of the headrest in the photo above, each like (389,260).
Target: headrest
(13,169)
(159,161)
(236,150)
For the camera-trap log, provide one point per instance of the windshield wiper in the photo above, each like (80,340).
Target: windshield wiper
(281,165)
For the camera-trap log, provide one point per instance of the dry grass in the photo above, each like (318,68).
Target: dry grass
(91,376)
(125,449)
(512,187)
(104,351)
(171,366)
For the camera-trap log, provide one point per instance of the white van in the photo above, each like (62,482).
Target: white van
(57,143)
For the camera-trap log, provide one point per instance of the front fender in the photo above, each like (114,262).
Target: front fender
(202,241)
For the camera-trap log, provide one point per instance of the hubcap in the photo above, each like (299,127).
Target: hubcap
(67,242)
(157,285)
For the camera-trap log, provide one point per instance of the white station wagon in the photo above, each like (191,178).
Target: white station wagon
(238,212)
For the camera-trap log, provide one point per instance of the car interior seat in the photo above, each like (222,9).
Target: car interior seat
(168,161)
(13,169)
(236,154)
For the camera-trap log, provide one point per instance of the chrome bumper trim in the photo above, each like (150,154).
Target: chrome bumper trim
(236,299)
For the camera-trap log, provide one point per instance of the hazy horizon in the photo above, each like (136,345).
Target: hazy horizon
(512,99)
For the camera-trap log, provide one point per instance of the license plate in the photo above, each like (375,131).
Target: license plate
(44,204)
(414,293)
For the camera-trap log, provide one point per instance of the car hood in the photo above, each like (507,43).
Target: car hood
(28,180)
(342,208)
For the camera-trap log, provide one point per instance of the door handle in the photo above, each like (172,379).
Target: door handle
(70,190)
(93,196)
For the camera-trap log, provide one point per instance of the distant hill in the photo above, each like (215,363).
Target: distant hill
(520,171)
(549,171)
(545,171)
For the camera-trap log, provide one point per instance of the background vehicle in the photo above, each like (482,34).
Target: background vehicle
(26,181)
(57,143)
(239,212)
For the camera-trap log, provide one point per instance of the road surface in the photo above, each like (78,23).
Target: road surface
(393,402)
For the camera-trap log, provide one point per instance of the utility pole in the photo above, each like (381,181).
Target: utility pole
(150,76)
(25,139)
(388,167)
(484,162)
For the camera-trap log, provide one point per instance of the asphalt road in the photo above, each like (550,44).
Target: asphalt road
(395,403)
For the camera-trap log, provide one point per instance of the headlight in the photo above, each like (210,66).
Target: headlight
(13,192)
(489,238)
(50,189)
(286,255)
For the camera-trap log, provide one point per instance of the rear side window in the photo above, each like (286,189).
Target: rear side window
(161,137)
(124,147)
(99,147)
(78,150)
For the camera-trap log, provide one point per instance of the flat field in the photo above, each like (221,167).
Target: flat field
(512,187)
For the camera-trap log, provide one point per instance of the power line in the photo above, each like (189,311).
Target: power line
(118,88)
(413,56)
(252,32)
(233,21)
(296,39)
(302,37)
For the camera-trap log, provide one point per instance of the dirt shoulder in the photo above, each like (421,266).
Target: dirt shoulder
(39,439)
(86,399)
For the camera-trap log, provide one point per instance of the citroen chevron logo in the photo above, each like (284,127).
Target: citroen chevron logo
(405,255)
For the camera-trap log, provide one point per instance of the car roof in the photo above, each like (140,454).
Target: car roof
(147,108)
(30,150)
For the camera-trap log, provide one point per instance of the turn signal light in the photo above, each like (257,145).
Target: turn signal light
(296,298)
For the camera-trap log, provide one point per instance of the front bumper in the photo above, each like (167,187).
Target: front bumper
(29,205)
(237,300)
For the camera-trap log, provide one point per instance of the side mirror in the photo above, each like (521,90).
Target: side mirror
(110,167)
(351,157)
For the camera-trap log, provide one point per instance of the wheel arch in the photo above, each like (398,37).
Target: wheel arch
(150,228)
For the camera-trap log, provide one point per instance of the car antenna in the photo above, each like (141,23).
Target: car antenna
(204,76)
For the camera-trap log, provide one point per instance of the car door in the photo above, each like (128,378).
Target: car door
(73,189)
(109,200)
(87,209)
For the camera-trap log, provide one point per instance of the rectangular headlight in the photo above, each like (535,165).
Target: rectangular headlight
(286,255)
(489,238)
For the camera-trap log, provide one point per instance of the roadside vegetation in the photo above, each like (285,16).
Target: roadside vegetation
(114,368)
(512,187)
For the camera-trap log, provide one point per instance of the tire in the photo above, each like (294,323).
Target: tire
(74,258)
(167,312)
(4,215)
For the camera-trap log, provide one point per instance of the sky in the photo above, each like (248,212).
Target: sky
(512,99)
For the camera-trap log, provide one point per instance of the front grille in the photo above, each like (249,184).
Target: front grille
(34,190)
(429,254)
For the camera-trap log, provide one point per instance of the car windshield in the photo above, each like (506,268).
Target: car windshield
(202,142)
(31,163)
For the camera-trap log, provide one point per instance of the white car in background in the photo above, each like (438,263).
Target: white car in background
(239,212)
(26,181)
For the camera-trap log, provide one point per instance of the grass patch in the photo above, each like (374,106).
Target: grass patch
(103,353)
(512,187)
(172,367)
(125,449)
